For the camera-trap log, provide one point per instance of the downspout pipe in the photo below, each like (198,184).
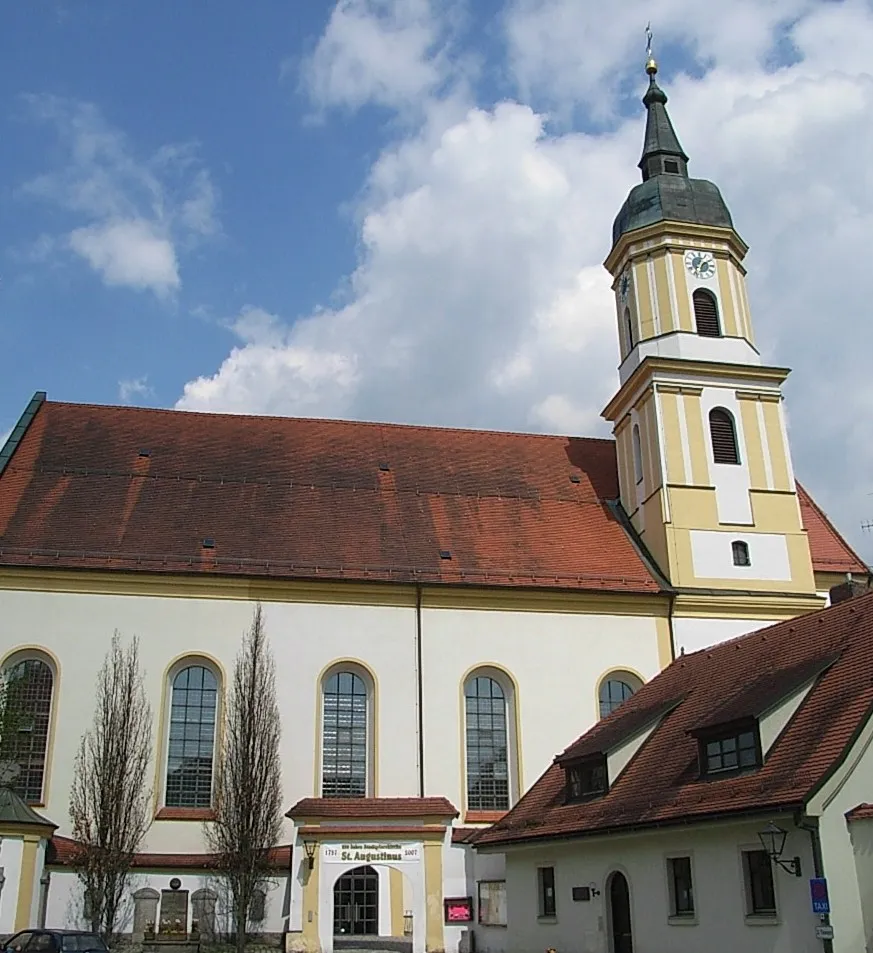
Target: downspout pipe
(419,679)
(810,825)
(670,607)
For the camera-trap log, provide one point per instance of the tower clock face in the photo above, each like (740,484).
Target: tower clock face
(701,264)
(624,286)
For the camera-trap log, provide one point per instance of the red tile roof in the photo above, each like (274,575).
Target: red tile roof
(465,835)
(62,850)
(299,498)
(830,552)
(379,807)
(661,783)
(863,812)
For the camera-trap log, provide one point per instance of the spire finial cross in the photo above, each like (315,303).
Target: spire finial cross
(651,65)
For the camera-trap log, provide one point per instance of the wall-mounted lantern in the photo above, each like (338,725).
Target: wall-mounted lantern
(773,841)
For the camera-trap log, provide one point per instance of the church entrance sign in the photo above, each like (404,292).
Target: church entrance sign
(363,853)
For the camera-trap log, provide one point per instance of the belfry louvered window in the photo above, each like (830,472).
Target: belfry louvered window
(706,313)
(629,329)
(724,436)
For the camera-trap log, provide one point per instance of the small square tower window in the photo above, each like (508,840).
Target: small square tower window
(740,551)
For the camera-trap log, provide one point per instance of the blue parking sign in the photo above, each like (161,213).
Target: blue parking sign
(818,890)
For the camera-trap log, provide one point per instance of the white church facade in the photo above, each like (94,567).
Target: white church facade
(446,608)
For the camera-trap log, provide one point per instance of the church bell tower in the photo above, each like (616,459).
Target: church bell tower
(704,463)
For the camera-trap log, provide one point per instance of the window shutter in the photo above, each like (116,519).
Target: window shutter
(706,314)
(724,438)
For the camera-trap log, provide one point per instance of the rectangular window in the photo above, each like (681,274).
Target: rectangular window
(546,890)
(758,876)
(492,903)
(587,779)
(731,752)
(681,887)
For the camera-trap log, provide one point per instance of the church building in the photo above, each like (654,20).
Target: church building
(447,608)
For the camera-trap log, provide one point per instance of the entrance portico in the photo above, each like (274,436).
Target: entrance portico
(380,860)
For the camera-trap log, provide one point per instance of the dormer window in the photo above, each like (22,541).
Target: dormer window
(586,779)
(735,748)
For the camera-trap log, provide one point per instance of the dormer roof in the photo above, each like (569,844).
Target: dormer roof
(832,650)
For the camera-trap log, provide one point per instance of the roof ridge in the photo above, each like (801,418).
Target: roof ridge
(334,420)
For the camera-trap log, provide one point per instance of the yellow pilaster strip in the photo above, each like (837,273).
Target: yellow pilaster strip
(646,319)
(696,440)
(754,444)
(395,885)
(681,285)
(778,459)
(672,438)
(655,440)
(662,291)
(23,908)
(729,317)
(311,940)
(433,888)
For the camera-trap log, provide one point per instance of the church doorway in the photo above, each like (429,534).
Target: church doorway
(620,914)
(356,903)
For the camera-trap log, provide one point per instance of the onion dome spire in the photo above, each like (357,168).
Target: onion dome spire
(662,153)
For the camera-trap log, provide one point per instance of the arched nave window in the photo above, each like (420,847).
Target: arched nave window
(489,738)
(191,739)
(30,682)
(346,733)
(615,689)
(723,433)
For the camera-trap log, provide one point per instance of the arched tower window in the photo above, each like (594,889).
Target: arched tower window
(191,742)
(740,552)
(30,690)
(345,735)
(724,436)
(637,452)
(706,313)
(629,330)
(487,732)
(616,689)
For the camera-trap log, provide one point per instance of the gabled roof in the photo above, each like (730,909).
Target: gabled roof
(378,807)
(61,852)
(125,488)
(298,498)
(830,552)
(661,783)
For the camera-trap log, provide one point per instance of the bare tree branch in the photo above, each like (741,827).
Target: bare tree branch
(248,784)
(109,799)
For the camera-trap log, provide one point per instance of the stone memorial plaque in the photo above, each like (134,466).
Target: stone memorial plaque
(174,911)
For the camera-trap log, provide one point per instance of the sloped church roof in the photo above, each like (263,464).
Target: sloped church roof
(98,487)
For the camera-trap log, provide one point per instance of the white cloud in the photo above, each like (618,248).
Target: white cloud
(133,389)
(134,216)
(129,253)
(479,298)
(389,52)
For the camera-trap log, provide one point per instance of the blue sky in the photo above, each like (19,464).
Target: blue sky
(163,74)
(398,209)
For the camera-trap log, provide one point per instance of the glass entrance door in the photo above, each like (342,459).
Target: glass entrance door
(356,903)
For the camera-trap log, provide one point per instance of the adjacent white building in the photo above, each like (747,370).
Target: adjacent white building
(723,807)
